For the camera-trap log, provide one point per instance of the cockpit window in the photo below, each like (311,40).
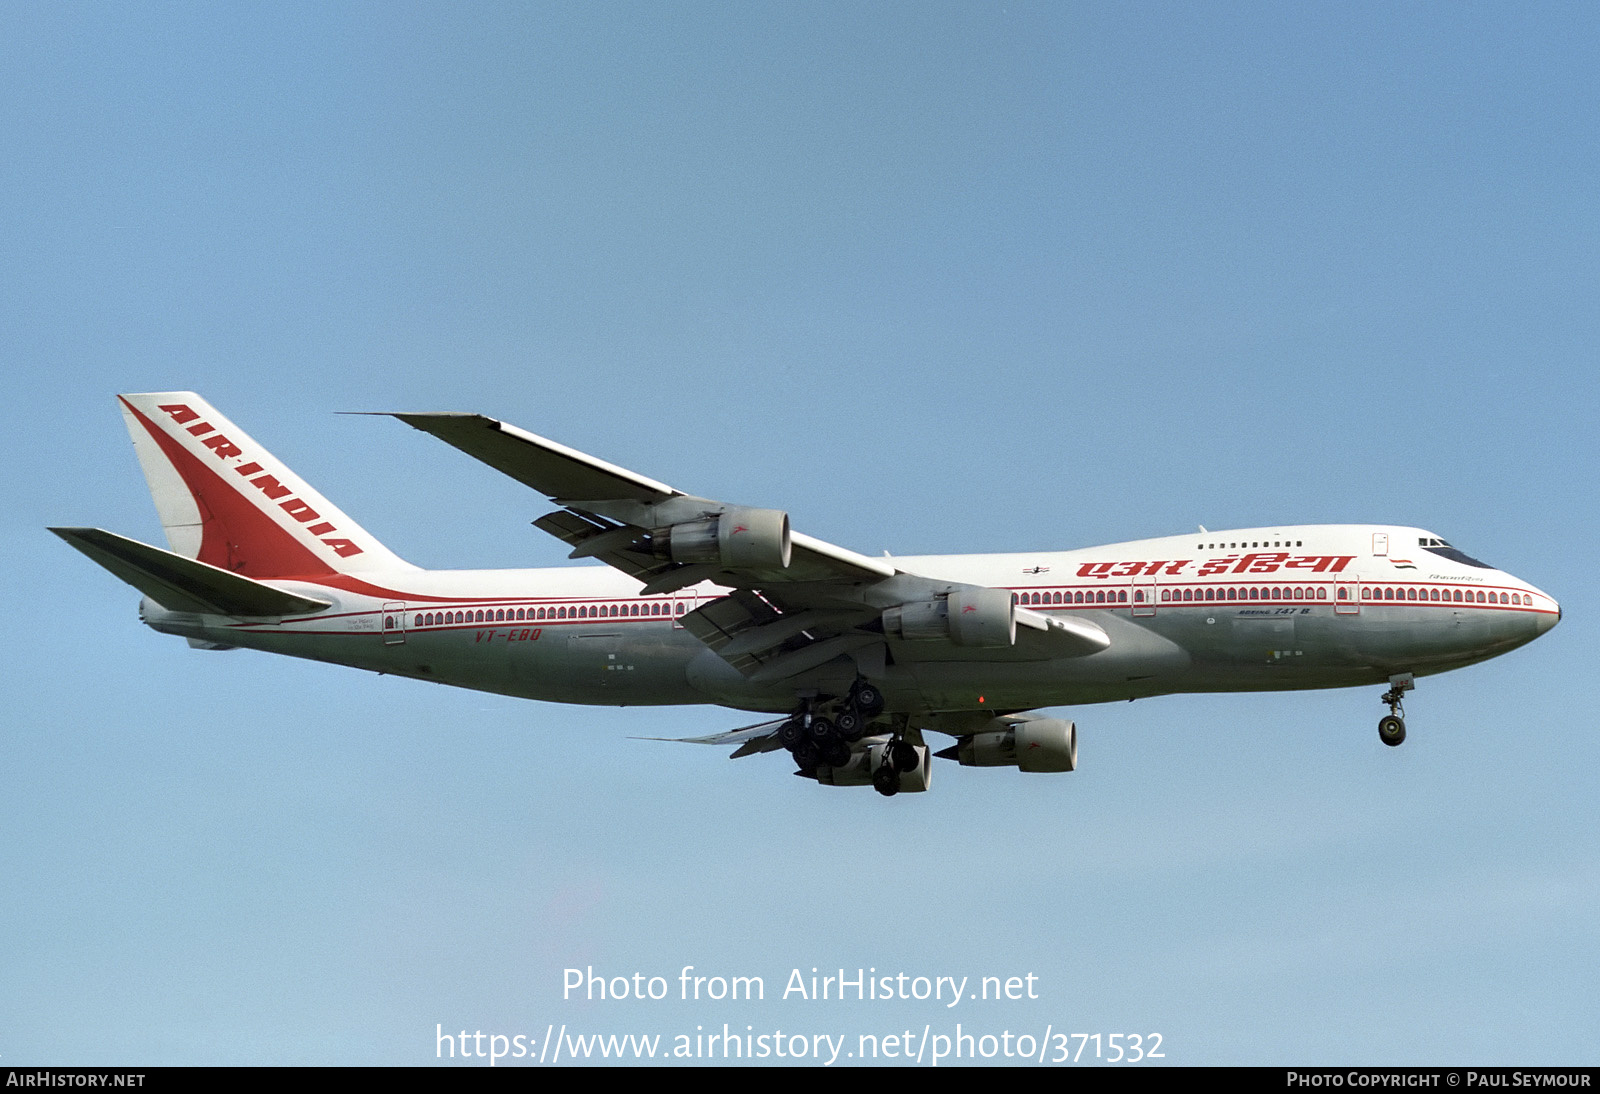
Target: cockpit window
(1435,545)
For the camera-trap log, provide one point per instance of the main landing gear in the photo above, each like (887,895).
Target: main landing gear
(899,758)
(821,734)
(1392,727)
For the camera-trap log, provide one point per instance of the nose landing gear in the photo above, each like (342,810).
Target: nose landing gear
(1392,727)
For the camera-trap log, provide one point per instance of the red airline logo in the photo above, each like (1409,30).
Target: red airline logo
(268,484)
(1265,562)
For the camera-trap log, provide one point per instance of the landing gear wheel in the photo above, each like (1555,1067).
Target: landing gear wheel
(848,723)
(807,756)
(791,733)
(886,781)
(868,700)
(904,756)
(835,754)
(1392,730)
(823,731)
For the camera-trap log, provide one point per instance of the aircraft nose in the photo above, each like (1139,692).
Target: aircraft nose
(1548,620)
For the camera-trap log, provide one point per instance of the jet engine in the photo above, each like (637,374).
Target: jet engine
(1041,744)
(967,617)
(736,538)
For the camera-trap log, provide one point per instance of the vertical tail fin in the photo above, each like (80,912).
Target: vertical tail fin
(226,501)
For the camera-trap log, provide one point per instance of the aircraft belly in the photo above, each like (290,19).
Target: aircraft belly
(1269,649)
(623,667)
(1139,661)
(1430,639)
(713,678)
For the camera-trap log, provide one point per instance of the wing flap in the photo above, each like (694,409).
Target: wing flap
(578,530)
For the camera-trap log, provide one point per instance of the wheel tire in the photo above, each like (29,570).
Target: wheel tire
(1392,730)
(848,723)
(905,756)
(806,756)
(886,781)
(869,700)
(835,754)
(791,733)
(823,731)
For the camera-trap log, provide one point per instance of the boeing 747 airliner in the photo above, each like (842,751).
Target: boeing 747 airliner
(700,601)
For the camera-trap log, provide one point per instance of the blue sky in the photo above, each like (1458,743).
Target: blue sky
(934,278)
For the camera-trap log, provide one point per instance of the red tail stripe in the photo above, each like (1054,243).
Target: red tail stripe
(235,534)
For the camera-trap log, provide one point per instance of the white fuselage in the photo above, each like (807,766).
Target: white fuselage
(1246,610)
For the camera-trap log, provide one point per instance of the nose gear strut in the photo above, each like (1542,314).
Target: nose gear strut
(1392,727)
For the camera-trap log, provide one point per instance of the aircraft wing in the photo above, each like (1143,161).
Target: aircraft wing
(797,602)
(668,539)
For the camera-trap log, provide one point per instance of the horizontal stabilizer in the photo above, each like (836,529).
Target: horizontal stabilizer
(183,584)
(752,740)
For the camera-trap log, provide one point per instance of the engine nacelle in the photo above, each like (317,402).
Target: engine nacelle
(858,772)
(968,617)
(735,538)
(1043,744)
